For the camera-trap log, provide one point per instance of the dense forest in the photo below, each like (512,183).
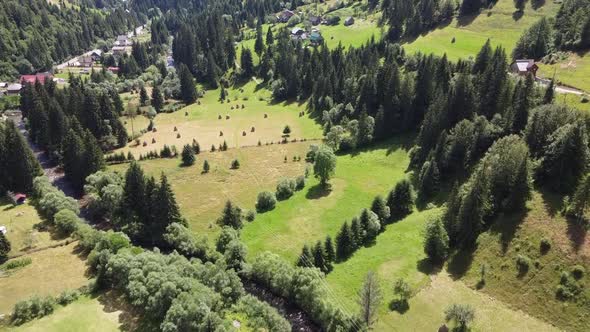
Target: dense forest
(35,34)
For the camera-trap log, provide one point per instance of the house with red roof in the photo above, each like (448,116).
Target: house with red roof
(31,79)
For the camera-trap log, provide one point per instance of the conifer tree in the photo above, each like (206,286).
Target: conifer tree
(247,63)
(157,99)
(436,241)
(165,211)
(18,161)
(380,208)
(306,257)
(143,96)
(549,92)
(206,167)
(188,90)
(188,155)
(329,250)
(319,258)
(343,243)
(231,216)
(400,200)
(4,248)
(259,43)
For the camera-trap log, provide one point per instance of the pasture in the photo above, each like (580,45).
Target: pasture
(573,71)
(21,222)
(201,197)
(85,314)
(500,24)
(51,272)
(212,122)
(398,253)
(314,213)
(533,290)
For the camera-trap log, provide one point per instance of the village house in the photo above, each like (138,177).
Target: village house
(123,40)
(31,79)
(349,21)
(85,61)
(14,89)
(316,37)
(120,50)
(96,55)
(524,66)
(298,34)
(285,16)
(315,20)
(17,198)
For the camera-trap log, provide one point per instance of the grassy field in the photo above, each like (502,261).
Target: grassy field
(20,222)
(498,24)
(573,101)
(398,253)
(202,196)
(201,122)
(313,213)
(86,314)
(51,272)
(534,291)
(573,71)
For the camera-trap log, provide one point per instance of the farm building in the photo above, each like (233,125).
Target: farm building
(14,89)
(123,40)
(284,16)
(121,50)
(524,66)
(298,33)
(316,38)
(17,198)
(31,79)
(86,61)
(349,21)
(96,55)
(315,20)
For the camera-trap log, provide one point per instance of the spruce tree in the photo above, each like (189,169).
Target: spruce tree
(247,63)
(306,257)
(380,208)
(188,155)
(231,216)
(143,96)
(400,200)
(550,92)
(329,250)
(343,244)
(18,161)
(319,258)
(259,43)
(165,211)
(436,241)
(188,90)
(4,248)
(157,99)
(206,167)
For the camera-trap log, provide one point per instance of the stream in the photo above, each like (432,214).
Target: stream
(299,319)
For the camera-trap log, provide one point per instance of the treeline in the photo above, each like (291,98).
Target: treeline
(569,31)
(503,133)
(18,165)
(35,34)
(408,19)
(74,125)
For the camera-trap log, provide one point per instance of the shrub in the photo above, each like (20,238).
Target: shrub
(300,183)
(32,308)
(67,222)
(523,263)
(235,164)
(285,189)
(250,215)
(578,272)
(266,201)
(16,263)
(68,296)
(584,99)
(545,245)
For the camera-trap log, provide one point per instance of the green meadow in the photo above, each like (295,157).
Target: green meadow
(314,212)
(500,24)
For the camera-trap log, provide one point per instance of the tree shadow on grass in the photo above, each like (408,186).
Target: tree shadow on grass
(517,15)
(506,226)
(576,232)
(318,191)
(113,301)
(401,306)
(460,263)
(428,267)
(536,4)
(553,201)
